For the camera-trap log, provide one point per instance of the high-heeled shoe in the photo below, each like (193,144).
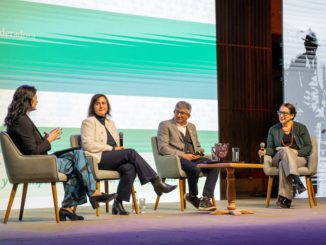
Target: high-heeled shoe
(161,187)
(117,208)
(94,200)
(64,214)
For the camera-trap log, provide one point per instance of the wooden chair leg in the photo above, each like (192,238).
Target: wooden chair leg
(11,201)
(22,204)
(55,201)
(157,201)
(184,192)
(269,190)
(98,188)
(214,201)
(106,186)
(182,200)
(313,193)
(134,199)
(309,187)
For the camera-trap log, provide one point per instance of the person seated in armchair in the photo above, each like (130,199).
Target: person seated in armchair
(72,162)
(179,137)
(289,144)
(100,140)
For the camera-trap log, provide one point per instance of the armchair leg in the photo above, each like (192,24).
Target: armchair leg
(313,194)
(309,187)
(55,201)
(184,192)
(158,197)
(182,200)
(157,201)
(269,190)
(214,201)
(134,199)
(98,188)
(106,186)
(22,204)
(11,200)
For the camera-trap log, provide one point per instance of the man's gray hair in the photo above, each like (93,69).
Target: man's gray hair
(183,105)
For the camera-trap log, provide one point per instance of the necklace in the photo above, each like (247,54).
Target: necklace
(291,142)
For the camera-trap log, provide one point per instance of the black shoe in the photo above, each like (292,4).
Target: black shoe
(71,215)
(300,187)
(118,208)
(283,202)
(161,187)
(194,200)
(94,200)
(205,204)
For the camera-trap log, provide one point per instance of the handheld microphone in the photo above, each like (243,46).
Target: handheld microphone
(121,138)
(323,131)
(262,147)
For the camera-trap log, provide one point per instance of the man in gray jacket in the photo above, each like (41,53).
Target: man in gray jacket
(179,137)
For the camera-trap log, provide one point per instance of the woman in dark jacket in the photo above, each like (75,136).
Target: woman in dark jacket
(71,162)
(289,144)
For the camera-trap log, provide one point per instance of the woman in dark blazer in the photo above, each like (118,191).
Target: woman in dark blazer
(289,144)
(72,162)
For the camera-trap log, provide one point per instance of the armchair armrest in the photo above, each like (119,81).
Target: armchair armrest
(94,166)
(33,168)
(268,169)
(168,166)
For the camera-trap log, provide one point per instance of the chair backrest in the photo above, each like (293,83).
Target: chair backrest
(313,158)
(11,155)
(25,168)
(166,166)
(75,140)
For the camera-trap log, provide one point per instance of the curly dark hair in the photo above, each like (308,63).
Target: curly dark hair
(21,103)
(91,111)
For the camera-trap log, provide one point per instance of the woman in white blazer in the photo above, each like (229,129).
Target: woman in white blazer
(100,140)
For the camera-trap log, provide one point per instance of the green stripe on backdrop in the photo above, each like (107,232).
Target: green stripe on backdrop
(87,51)
(138,139)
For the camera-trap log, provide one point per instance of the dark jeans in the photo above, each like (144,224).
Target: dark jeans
(190,167)
(128,163)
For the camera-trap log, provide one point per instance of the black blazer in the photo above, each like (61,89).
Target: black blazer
(27,137)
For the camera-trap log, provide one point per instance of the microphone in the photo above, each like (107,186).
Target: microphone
(121,138)
(262,147)
(323,131)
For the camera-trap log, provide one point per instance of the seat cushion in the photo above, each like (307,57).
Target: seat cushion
(107,174)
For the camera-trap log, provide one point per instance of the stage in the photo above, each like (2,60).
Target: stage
(168,225)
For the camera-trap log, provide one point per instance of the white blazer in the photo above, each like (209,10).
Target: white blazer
(94,137)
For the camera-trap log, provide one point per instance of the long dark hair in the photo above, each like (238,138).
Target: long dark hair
(91,111)
(21,103)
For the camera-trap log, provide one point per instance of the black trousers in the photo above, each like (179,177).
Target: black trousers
(190,167)
(128,163)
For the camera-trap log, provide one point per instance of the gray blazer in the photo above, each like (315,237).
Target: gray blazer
(94,137)
(170,141)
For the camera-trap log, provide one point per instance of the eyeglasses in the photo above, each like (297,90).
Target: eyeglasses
(284,113)
(182,113)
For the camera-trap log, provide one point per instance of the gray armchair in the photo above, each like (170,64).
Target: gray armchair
(25,169)
(169,167)
(106,175)
(306,171)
